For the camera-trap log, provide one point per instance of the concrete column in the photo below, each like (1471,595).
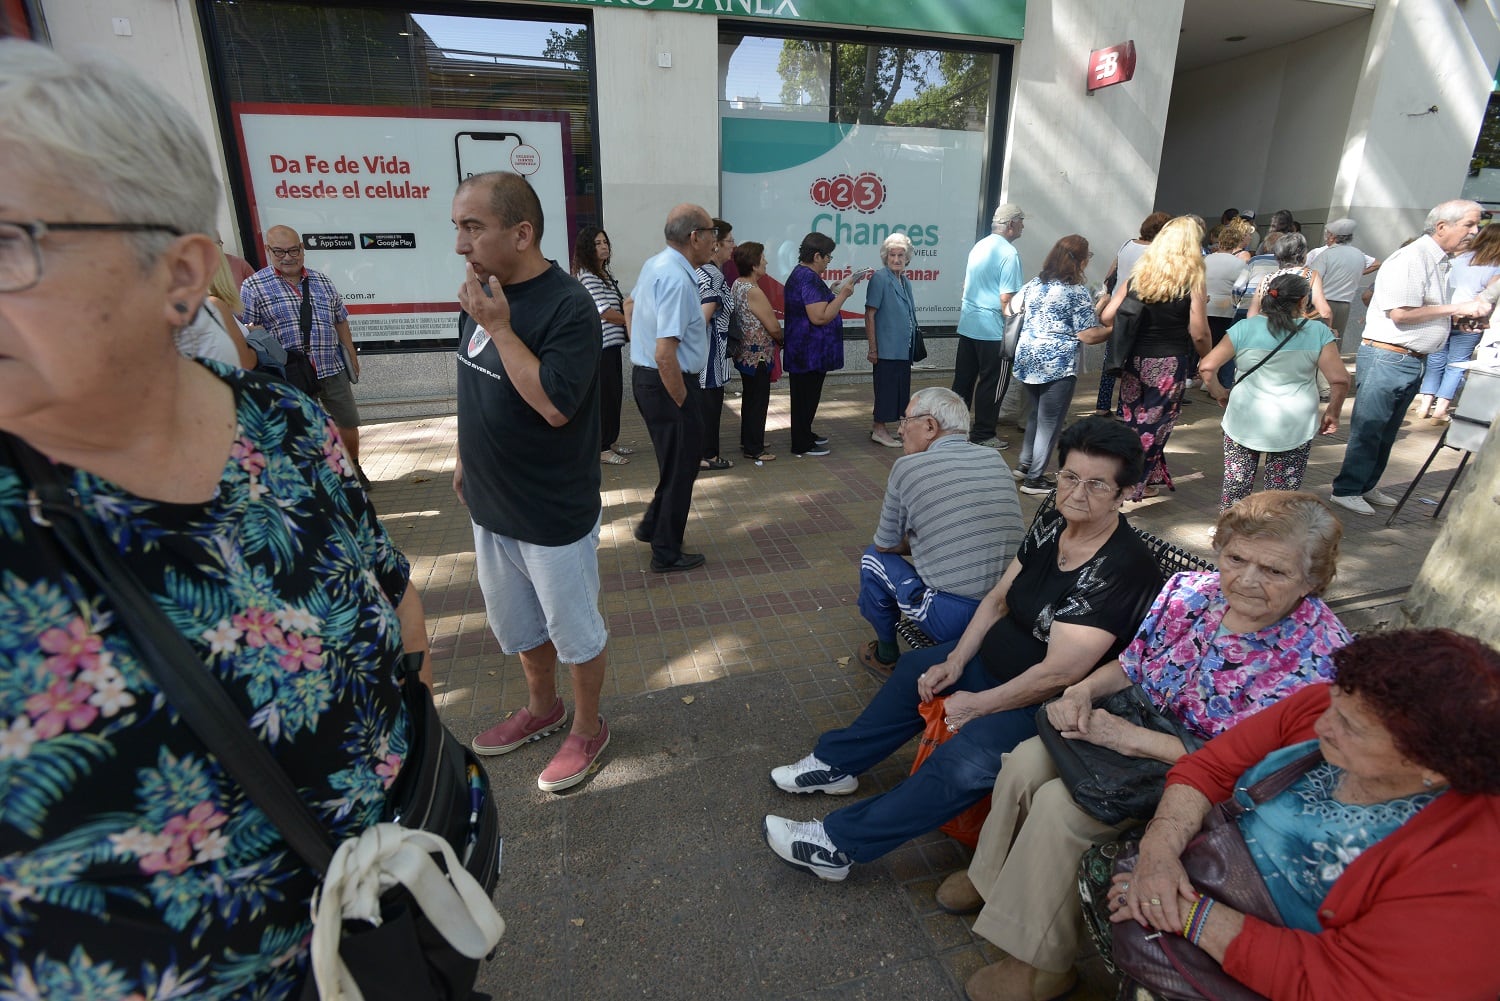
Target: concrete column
(1400,158)
(1081,164)
(1458,586)
(658,127)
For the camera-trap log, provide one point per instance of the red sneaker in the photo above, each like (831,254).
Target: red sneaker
(574,760)
(520,727)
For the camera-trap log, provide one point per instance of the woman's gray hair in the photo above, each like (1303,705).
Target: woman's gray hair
(893,241)
(943,405)
(1291,248)
(112,136)
(1450,212)
(1296,518)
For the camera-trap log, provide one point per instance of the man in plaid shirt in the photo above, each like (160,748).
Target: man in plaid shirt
(273,299)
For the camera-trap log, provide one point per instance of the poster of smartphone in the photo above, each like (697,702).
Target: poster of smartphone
(478,152)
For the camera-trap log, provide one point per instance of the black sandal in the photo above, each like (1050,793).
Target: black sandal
(717,462)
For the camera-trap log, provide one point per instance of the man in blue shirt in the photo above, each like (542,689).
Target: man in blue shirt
(992,277)
(668,349)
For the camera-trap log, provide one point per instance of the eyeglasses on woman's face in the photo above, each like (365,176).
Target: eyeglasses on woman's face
(1069,480)
(21,245)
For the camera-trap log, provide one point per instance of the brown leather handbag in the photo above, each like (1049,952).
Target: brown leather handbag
(1220,866)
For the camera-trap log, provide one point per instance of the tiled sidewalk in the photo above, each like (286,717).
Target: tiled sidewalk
(651,880)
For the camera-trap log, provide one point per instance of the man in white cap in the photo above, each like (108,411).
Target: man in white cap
(1342,265)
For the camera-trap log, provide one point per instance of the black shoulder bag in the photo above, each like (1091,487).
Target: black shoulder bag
(299,367)
(441,788)
(1107,785)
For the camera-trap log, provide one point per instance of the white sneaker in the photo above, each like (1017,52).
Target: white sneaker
(1380,499)
(1353,503)
(884,438)
(804,845)
(812,774)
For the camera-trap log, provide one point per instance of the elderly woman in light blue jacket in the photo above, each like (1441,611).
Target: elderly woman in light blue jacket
(891,328)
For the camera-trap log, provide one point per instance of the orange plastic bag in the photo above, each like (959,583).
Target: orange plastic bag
(964,827)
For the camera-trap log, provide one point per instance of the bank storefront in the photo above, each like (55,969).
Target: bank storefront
(856,118)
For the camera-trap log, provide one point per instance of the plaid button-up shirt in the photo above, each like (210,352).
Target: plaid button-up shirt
(276,304)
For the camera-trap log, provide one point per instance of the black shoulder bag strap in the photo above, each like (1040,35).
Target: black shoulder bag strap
(180,673)
(304,318)
(1240,376)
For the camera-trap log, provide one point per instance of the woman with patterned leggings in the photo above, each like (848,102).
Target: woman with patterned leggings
(1273,411)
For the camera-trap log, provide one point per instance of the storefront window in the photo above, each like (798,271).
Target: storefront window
(858,140)
(353,126)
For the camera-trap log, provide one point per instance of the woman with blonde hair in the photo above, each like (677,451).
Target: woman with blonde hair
(1171,337)
(215,331)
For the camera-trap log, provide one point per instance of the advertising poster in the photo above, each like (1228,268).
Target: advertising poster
(371,192)
(857,184)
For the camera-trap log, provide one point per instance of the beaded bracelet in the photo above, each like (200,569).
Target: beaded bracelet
(1197,919)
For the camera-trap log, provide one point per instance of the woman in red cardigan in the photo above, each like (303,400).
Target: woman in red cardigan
(1383,859)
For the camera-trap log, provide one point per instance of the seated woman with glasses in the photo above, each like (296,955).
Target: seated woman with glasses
(1068,603)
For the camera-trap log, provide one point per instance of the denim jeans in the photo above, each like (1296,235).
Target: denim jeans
(1385,383)
(1441,381)
(1050,403)
(957,775)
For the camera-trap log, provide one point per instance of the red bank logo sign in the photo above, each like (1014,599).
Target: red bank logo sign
(1110,66)
(864,193)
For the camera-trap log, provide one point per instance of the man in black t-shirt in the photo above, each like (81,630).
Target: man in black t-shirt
(528,433)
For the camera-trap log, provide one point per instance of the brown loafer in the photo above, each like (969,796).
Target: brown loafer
(1012,980)
(874,664)
(959,895)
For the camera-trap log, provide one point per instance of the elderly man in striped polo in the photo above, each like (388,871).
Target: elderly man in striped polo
(952,507)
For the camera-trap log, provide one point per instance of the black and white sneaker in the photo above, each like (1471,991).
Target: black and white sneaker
(819,439)
(813,775)
(803,844)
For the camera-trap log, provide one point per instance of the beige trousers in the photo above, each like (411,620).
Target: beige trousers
(1026,863)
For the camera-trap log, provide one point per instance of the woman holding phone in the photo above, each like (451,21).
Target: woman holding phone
(814,336)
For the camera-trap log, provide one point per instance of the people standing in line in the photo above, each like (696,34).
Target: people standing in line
(891,329)
(1220,269)
(1173,335)
(1411,314)
(1291,259)
(1273,411)
(1060,318)
(668,349)
(1282,223)
(1119,269)
(760,339)
(814,344)
(274,299)
(713,296)
(591,256)
(991,277)
(1341,265)
(951,506)
(1257,267)
(528,428)
(1473,271)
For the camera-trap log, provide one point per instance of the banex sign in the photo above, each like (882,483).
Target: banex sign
(1110,66)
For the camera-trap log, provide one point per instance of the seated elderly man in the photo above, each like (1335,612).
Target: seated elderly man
(951,506)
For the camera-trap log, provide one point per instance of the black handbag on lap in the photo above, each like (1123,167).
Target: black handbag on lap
(1107,785)
(439,819)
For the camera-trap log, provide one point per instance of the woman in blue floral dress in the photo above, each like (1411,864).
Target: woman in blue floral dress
(1059,316)
(131,865)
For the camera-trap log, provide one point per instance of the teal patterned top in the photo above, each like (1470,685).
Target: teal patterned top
(1303,839)
(131,865)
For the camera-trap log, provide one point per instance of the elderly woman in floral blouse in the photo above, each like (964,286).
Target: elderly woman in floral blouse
(1215,649)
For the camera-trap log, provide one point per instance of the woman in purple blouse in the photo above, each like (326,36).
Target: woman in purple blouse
(814,336)
(1215,649)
